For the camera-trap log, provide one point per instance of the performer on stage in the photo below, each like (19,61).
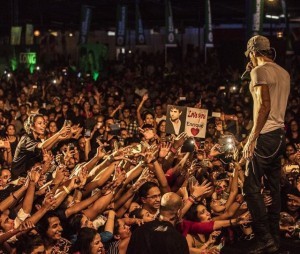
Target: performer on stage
(270,87)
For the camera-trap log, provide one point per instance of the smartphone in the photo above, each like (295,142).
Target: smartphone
(221,245)
(188,146)
(136,149)
(182,98)
(226,143)
(87,133)
(68,123)
(71,146)
(61,159)
(34,86)
(201,145)
(216,114)
(204,163)
(115,129)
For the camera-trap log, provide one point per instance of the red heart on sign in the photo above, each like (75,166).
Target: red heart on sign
(195,131)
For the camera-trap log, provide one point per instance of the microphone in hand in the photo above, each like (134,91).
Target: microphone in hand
(246,74)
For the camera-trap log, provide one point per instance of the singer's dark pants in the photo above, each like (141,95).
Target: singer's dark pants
(265,162)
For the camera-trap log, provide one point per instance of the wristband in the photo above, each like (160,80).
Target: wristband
(193,197)
(230,222)
(191,200)
(13,195)
(173,150)
(154,160)
(66,189)
(110,158)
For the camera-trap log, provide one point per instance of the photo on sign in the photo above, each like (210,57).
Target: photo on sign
(175,122)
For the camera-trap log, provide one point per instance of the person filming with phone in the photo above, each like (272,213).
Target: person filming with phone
(30,146)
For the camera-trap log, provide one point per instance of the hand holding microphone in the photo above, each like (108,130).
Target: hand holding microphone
(246,74)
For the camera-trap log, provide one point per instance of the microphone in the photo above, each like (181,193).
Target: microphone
(246,75)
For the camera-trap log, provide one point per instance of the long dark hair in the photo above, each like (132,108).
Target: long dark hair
(84,239)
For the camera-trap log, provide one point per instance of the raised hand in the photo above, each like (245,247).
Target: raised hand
(194,166)
(164,149)
(202,189)
(215,150)
(145,97)
(49,201)
(26,225)
(100,152)
(244,218)
(65,132)
(35,174)
(60,174)
(47,156)
(179,140)
(213,236)
(83,174)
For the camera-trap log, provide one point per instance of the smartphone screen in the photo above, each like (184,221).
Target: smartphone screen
(87,133)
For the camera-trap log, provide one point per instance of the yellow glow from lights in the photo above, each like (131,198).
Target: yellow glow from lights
(37,33)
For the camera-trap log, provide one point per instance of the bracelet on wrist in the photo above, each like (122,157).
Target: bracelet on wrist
(206,244)
(14,197)
(151,162)
(191,200)
(193,197)
(173,150)
(66,189)
(210,157)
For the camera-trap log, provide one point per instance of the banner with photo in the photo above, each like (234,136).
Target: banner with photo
(208,24)
(86,16)
(139,29)
(121,25)
(193,121)
(29,34)
(255,9)
(170,29)
(15,35)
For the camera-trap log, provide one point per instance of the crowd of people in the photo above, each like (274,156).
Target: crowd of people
(88,167)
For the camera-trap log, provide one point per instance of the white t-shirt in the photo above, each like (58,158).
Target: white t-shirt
(278,81)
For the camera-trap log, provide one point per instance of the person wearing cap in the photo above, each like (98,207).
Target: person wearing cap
(160,236)
(270,87)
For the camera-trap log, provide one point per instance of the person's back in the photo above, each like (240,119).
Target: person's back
(278,81)
(160,236)
(157,237)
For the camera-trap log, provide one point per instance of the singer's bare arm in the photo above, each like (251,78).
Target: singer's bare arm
(262,107)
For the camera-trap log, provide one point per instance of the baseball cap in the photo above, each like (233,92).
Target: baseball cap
(257,43)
